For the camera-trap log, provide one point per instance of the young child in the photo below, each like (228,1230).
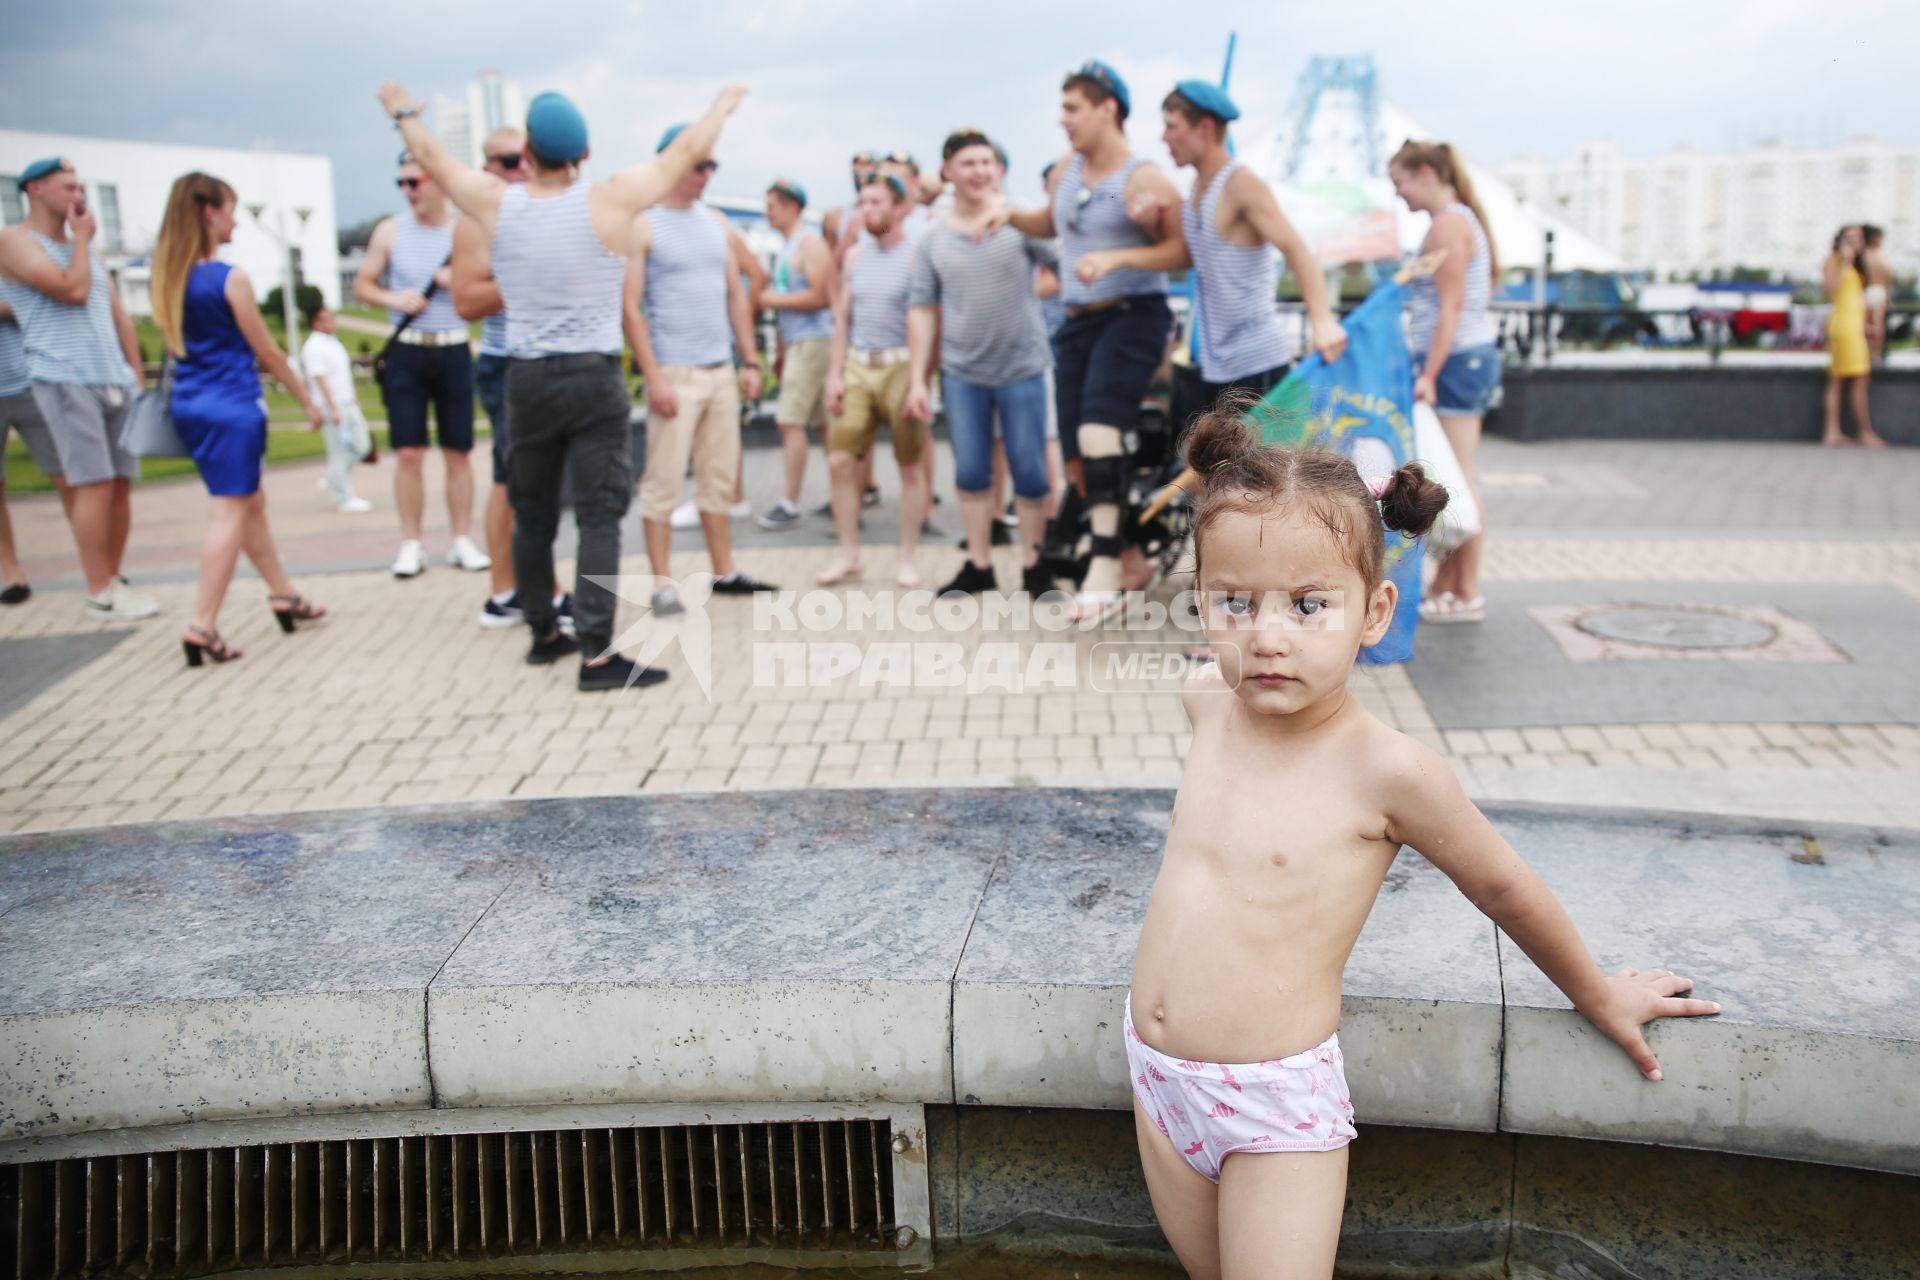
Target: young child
(1293,804)
(330,375)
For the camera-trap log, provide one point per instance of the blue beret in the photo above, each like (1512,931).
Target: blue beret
(556,130)
(1210,98)
(41,168)
(1106,75)
(791,190)
(406,158)
(673,131)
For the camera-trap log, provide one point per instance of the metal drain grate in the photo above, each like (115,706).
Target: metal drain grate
(797,1185)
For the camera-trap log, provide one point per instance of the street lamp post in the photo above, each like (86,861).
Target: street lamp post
(288,309)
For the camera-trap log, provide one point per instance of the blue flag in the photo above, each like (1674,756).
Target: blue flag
(1361,405)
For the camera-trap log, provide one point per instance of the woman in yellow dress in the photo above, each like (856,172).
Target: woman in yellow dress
(1848,363)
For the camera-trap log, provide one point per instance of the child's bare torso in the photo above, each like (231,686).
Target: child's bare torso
(1276,853)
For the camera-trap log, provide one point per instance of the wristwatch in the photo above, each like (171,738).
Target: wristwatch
(750,364)
(404,113)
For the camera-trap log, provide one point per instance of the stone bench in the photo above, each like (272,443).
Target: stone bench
(965,946)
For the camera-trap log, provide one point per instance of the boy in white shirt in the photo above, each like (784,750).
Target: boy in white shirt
(330,374)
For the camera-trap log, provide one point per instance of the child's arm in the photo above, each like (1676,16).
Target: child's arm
(1427,810)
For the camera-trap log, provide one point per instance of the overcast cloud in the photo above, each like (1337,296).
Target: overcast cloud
(1498,77)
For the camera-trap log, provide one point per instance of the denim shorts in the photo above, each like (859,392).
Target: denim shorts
(1468,381)
(1022,409)
(1104,363)
(490,382)
(419,377)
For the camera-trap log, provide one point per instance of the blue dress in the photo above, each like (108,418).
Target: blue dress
(217,405)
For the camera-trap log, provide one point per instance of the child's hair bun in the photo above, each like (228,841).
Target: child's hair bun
(1413,501)
(1222,448)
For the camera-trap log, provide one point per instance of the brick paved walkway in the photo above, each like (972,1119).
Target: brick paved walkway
(401,699)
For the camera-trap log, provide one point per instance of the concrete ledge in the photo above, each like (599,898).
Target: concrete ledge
(968,946)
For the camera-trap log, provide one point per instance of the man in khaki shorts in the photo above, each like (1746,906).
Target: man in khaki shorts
(868,380)
(694,318)
(801,296)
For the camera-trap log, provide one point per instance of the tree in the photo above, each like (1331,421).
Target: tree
(307,299)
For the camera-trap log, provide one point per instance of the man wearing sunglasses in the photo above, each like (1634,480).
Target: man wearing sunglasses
(476,296)
(686,317)
(430,366)
(1104,197)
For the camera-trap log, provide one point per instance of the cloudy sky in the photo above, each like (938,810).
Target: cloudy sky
(1499,77)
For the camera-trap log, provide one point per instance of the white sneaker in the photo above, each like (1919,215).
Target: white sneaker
(740,510)
(463,554)
(121,603)
(412,560)
(685,516)
(354,506)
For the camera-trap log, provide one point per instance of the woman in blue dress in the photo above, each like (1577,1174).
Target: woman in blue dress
(213,331)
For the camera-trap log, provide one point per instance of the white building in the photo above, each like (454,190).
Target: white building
(1770,206)
(489,103)
(281,195)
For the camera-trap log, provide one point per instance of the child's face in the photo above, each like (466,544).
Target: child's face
(323,321)
(1285,609)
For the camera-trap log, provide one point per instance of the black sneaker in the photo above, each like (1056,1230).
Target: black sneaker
(16,593)
(617,673)
(1037,580)
(552,649)
(739,583)
(870,499)
(498,616)
(971,580)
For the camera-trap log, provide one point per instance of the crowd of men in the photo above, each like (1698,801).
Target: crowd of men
(1044,327)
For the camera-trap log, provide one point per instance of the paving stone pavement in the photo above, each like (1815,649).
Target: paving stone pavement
(399,698)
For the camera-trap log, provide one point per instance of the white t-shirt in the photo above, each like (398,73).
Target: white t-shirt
(325,360)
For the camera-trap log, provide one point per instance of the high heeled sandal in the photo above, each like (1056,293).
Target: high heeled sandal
(209,645)
(298,609)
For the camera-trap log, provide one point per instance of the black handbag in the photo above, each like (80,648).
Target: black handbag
(380,361)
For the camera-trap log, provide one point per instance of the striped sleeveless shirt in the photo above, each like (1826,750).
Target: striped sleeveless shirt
(882,282)
(789,276)
(1476,327)
(561,286)
(1240,333)
(419,252)
(1099,221)
(687,287)
(66,343)
(13,350)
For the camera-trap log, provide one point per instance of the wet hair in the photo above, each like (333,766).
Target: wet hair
(1096,91)
(1240,473)
(1452,170)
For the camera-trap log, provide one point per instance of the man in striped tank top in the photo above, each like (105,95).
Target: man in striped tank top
(867,381)
(802,295)
(83,361)
(1231,226)
(1102,196)
(686,317)
(476,296)
(430,365)
(559,247)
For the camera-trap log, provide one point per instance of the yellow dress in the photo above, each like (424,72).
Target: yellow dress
(1847,328)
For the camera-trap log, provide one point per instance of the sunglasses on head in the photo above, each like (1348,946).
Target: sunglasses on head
(886,180)
(865,157)
(409,184)
(509,161)
(899,157)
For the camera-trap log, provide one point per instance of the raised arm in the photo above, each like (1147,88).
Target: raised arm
(1253,200)
(474,192)
(475,295)
(246,315)
(633,190)
(25,261)
(1426,810)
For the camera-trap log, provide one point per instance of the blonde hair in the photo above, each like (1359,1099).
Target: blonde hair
(1452,170)
(183,241)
